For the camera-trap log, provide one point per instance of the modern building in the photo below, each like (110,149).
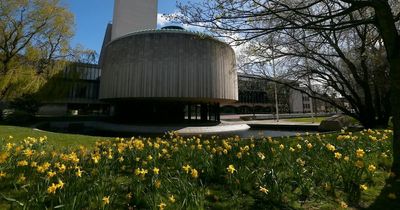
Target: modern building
(167,75)
(74,91)
(159,75)
(146,74)
(256,96)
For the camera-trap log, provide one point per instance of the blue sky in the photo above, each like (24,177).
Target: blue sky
(92,16)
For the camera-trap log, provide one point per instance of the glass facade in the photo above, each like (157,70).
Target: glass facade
(256,95)
(84,81)
(77,88)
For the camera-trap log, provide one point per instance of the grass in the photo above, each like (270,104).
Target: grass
(59,140)
(305,172)
(306,119)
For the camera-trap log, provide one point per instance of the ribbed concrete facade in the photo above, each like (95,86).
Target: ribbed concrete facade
(169,65)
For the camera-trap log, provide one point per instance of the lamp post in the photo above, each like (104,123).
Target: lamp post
(309,80)
(275,87)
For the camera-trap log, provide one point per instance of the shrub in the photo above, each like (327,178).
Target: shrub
(26,103)
(17,117)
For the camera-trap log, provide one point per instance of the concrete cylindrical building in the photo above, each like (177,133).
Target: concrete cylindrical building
(168,75)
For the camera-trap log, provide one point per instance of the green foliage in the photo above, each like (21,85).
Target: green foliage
(196,173)
(21,110)
(27,103)
(34,37)
(16,117)
(58,140)
(307,120)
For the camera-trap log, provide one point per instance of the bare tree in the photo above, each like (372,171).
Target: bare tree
(349,64)
(245,20)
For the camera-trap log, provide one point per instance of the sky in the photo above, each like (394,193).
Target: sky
(92,17)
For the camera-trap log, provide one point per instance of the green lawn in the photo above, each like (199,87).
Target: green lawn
(307,119)
(56,139)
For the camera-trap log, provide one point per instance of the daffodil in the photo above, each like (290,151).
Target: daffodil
(338,155)
(52,189)
(22,163)
(371,168)
(73,157)
(360,153)
(78,173)
(186,168)
(60,184)
(129,196)
(261,155)
(96,158)
(106,200)
(138,144)
(264,190)
(50,174)
(194,173)
(62,168)
(28,152)
(171,199)
(343,205)
(3,157)
(231,169)
(149,157)
(9,146)
(156,170)
(363,187)
(141,172)
(330,147)
(225,151)
(162,206)
(301,162)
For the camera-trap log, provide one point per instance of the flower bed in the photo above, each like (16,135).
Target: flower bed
(196,173)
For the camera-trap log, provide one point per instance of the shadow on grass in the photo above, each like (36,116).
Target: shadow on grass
(389,198)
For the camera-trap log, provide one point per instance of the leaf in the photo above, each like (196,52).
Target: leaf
(12,200)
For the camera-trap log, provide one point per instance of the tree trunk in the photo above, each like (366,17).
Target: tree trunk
(369,121)
(395,91)
(390,35)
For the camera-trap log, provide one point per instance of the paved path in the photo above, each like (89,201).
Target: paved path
(228,125)
(155,129)
(268,122)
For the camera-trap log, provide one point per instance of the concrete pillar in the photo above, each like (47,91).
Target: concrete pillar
(133,15)
(203,112)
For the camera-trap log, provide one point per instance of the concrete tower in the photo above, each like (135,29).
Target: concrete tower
(133,15)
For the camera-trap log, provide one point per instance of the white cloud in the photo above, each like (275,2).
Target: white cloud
(162,20)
